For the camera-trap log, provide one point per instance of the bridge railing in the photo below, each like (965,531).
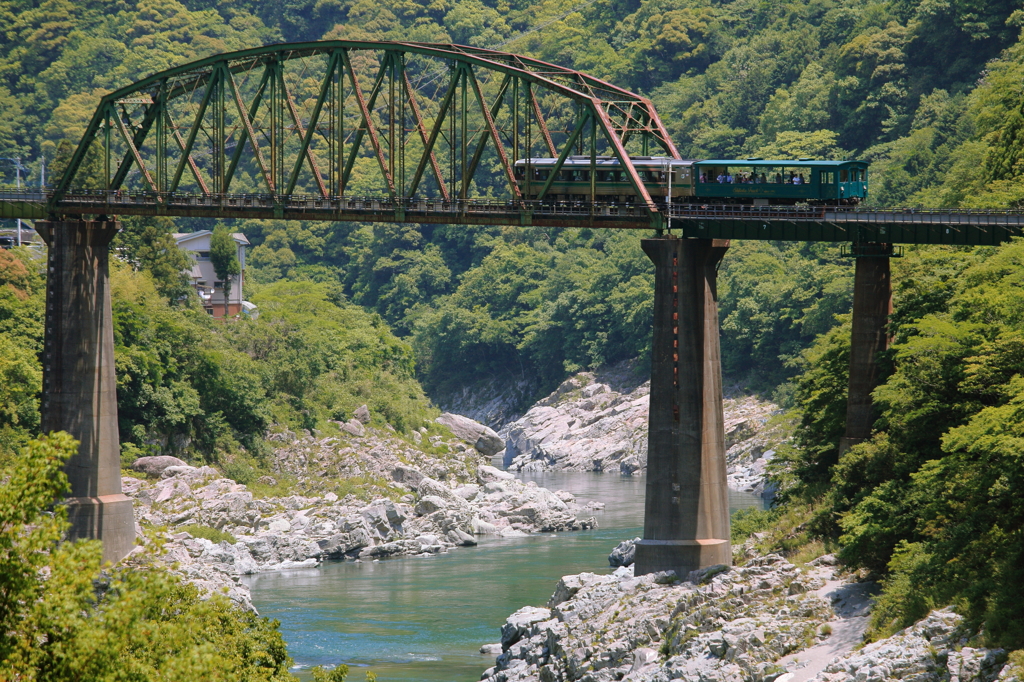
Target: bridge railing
(855,214)
(745,212)
(109,201)
(23,195)
(113,202)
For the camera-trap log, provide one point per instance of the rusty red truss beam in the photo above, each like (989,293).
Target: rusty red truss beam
(251,121)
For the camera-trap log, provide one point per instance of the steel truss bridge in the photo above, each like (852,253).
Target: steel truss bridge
(411,132)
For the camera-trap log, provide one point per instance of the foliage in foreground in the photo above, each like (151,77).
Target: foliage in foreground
(931,501)
(62,617)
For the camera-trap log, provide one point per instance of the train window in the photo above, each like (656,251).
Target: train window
(541,174)
(842,175)
(565,175)
(828,177)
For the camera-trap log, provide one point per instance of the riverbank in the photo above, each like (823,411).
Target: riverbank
(766,620)
(215,530)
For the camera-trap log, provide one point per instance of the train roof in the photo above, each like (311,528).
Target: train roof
(778,162)
(661,160)
(608,160)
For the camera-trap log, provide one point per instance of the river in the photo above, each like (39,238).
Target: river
(423,619)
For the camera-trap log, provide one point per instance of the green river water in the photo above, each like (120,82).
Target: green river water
(423,619)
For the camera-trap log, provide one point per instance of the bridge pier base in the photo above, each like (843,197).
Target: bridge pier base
(872,305)
(686,516)
(79,383)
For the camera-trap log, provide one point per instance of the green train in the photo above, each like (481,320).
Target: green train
(759,182)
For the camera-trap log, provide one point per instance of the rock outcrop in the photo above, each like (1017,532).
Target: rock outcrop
(483,438)
(723,624)
(494,401)
(587,425)
(154,466)
(767,621)
(624,553)
(582,426)
(427,504)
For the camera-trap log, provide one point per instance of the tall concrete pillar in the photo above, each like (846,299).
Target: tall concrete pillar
(872,305)
(686,517)
(79,385)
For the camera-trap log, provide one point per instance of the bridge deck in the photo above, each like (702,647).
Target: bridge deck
(784,223)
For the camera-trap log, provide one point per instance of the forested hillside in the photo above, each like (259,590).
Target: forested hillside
(925,91)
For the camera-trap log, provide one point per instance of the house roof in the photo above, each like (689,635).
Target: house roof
(182,237)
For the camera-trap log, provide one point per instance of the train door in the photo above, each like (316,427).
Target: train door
(828,189)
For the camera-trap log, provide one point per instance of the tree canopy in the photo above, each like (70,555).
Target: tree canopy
(62,618)
(224,258)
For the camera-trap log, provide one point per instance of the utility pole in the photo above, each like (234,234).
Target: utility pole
(17,175)
(668,195)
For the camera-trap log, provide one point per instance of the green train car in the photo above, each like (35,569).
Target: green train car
(733,181)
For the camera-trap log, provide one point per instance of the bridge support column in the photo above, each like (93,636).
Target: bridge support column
(872,305)
(79,385)
(686,517)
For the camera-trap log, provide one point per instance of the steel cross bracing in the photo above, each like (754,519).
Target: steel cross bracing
(325,121)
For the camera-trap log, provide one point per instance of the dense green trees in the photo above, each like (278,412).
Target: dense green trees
(202,390)
(928,500)
(22,296)
(62,618)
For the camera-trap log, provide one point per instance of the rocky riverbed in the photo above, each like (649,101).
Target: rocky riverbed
(432,494)
(764,621)
(598,422)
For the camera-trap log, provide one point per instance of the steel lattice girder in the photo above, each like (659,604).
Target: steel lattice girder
(173,131)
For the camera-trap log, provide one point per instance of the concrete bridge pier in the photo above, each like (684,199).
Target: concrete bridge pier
(686,517)
(872,305)
(79,385)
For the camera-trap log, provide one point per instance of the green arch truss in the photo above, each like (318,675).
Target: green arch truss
(345,118)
